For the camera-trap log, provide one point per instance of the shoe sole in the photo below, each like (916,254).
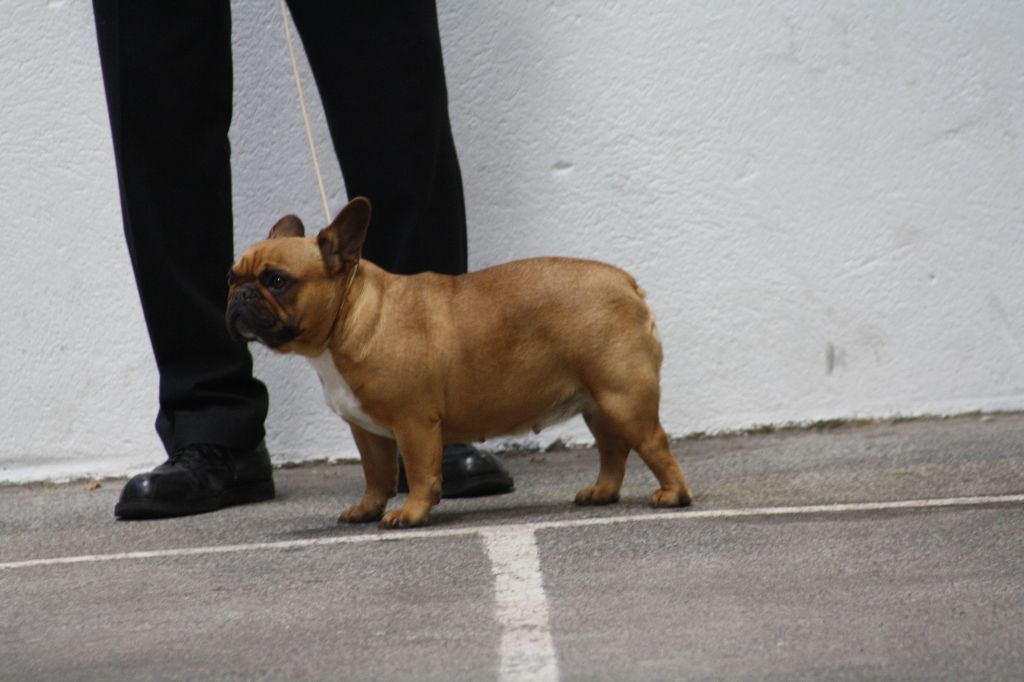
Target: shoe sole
(130,510)
(478,486)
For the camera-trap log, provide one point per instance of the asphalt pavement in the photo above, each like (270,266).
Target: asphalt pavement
(879,551)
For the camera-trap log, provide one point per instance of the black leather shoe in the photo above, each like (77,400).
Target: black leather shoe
(196,479)
(467,472)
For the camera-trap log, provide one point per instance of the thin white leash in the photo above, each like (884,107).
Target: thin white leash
(305,112)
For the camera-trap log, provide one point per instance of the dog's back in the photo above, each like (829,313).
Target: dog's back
(598,308)
(571,328)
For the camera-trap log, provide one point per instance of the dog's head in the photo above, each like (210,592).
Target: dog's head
(287,291)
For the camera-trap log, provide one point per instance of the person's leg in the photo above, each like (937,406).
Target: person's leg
(167,73)
(380,73)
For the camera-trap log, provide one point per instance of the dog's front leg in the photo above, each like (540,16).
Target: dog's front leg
(380,467)
(421,448)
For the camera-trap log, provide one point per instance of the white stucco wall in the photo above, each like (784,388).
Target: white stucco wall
(825,202)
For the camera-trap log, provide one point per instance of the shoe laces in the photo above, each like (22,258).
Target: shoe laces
(202,456)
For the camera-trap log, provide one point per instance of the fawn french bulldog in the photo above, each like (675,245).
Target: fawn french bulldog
(413,362)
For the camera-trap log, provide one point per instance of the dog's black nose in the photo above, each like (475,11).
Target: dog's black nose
(233,315)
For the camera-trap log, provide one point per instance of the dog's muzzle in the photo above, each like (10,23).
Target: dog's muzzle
(249,318)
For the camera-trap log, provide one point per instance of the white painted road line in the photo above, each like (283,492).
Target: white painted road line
(527,649)
(421,533)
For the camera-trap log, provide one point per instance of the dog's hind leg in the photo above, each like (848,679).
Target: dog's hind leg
(614,451)
(634,417)
(674,491)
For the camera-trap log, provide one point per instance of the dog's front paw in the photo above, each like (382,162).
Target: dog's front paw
(671,498)
(361,513)
(596,495)
(404,518)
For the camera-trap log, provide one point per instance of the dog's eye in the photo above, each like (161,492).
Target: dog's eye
(275,281)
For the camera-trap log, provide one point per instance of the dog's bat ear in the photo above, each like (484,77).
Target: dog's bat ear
(288,226)
(341,242)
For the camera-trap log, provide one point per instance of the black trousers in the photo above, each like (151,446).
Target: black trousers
(167,71)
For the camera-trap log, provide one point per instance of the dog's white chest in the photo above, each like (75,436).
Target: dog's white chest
(340,397)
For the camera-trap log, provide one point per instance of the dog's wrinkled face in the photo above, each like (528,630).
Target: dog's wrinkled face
(268,288)
(286,291)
